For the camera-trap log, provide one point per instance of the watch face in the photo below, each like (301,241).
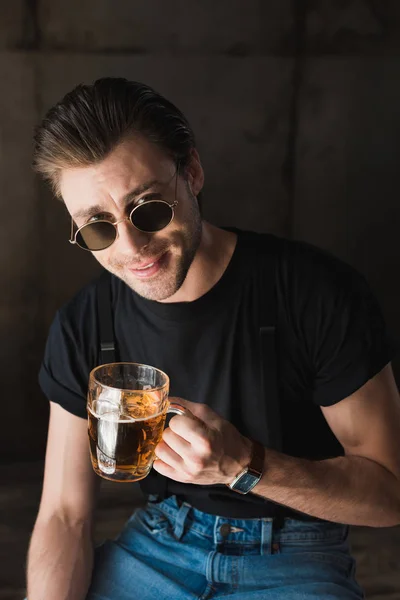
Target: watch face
(245,483)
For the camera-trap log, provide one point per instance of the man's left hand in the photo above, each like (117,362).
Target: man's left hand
(201,447)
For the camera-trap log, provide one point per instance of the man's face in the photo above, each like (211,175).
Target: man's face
(136,170)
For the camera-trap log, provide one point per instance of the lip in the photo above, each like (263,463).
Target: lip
(142,273)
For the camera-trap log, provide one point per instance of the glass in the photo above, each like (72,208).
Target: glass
(148,216)
(127,407)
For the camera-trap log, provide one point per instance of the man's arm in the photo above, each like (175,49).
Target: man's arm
(360,488)
(60,558)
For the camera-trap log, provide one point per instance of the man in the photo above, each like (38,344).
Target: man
(278,351)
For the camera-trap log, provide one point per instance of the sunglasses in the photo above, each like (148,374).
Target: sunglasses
(148,216)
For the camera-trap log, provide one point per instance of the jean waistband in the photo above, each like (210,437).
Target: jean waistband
(222,529)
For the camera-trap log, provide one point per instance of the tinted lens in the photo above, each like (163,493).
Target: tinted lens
(96,236)
(152,216)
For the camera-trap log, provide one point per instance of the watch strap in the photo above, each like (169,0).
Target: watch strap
(248,478)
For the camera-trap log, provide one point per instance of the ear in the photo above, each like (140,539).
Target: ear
(195,173)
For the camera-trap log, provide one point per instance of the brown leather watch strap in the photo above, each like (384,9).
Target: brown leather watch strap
(256,464)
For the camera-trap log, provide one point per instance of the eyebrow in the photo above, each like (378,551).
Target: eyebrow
(86,213)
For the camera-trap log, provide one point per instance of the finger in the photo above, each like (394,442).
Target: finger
(188,427)
(176,442)
(169,456)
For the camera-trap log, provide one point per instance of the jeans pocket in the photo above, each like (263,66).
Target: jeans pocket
(152,520)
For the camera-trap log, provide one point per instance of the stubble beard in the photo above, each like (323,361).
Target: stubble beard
(182,250)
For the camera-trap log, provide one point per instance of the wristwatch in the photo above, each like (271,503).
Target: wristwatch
(250,475)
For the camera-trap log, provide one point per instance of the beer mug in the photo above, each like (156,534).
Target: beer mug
(127,406)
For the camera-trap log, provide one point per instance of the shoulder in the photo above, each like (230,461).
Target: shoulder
(80,305)
(259,247)
(312,285)
(300,265)
(80,311)
(308,271)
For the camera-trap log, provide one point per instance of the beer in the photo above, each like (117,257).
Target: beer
(127,406)
(123,439)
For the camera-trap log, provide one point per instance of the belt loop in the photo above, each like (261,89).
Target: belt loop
(180,520)
(266,536)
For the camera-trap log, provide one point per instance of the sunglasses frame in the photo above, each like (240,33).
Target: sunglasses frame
(115,224)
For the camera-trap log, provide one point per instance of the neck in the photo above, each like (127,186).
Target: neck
(212,258)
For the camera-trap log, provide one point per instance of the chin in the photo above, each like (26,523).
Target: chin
(159,288)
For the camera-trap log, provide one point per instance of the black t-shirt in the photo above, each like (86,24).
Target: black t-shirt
(331,339)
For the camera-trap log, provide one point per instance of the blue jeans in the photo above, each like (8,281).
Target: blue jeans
(172,551)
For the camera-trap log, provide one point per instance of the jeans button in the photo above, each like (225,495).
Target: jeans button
(225,529)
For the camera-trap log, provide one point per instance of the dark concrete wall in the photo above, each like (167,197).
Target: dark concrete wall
(348,140)
(296,111)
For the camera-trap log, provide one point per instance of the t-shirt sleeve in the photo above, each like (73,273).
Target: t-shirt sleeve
(337,323)
(64,372)
(349,338)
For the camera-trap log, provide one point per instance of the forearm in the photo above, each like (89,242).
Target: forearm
(350,489)
(60,561)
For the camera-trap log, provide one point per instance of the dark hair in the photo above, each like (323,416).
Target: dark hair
(88,123)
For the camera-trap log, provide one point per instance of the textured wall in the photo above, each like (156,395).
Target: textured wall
(296,117)
(348,140)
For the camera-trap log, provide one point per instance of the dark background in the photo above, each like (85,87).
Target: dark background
(297,113)
(296,106)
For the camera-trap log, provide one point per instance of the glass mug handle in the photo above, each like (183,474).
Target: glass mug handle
(177,409)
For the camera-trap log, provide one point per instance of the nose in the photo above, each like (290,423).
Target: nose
(129,238)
